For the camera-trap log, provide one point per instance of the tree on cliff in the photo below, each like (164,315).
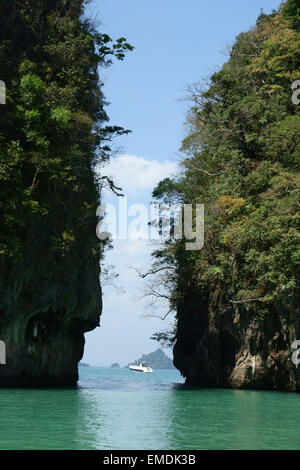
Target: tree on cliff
(242,160)
(291,10)
(54,131)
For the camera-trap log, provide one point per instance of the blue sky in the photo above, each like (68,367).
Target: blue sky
(177,43)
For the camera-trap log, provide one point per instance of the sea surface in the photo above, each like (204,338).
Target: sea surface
(120,409)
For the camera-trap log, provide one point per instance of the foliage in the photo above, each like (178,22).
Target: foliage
(54,132)
(242,161)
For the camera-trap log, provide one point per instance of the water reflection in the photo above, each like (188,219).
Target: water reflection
(47,419)
(231,419)
(117,410)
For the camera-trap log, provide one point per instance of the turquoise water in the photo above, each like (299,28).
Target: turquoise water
(119,409)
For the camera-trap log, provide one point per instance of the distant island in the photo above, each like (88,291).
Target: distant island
(83,364)
(115,365)
(156,360)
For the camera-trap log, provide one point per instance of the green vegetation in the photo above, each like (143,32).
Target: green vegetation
(242,160)
(54,132)
(52,137)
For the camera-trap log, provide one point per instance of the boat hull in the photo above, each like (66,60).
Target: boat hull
(141,369)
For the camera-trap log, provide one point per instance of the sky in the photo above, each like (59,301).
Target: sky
(177,43)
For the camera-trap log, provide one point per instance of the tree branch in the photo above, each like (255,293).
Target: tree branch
(244,301)
(142,276)
(204,171)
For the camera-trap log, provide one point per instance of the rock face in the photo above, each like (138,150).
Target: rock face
(45,344)
(49,252)
(53,140)
(234,349)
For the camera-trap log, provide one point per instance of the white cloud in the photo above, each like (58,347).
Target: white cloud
(137,175)
(125,332)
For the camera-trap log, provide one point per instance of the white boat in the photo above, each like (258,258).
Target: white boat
(143,367)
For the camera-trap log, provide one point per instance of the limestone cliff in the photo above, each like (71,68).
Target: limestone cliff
(53,135)
(232,348)
(44,323)
(237,299)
